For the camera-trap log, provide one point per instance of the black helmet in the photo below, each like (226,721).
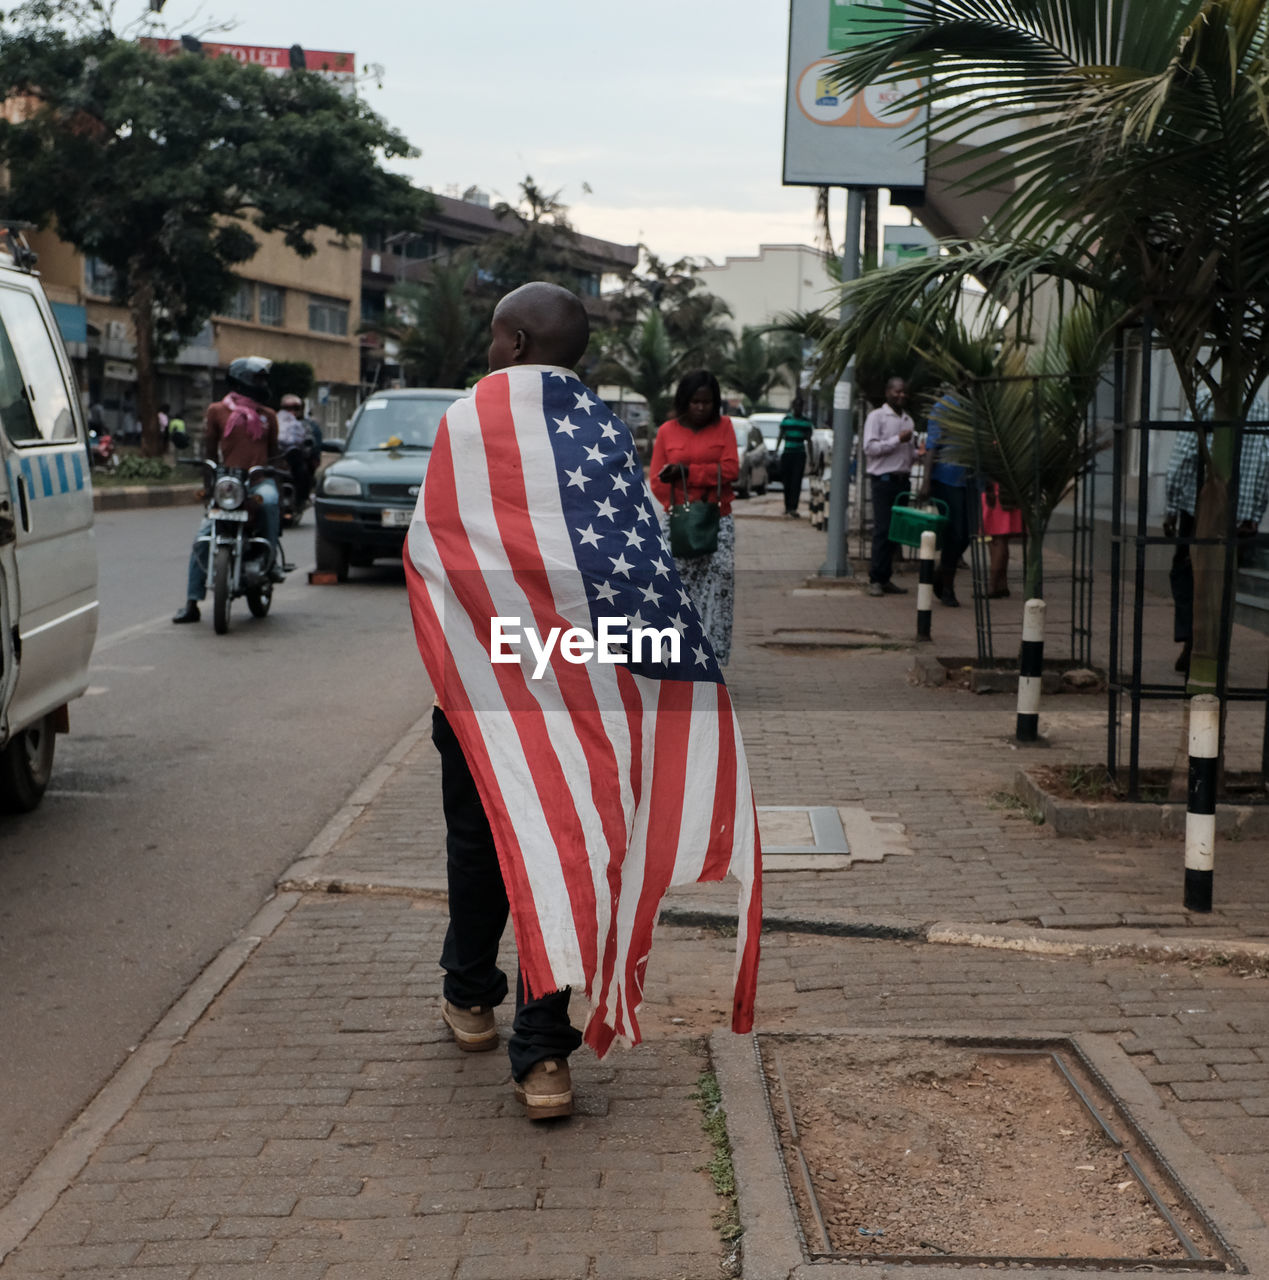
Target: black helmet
(249,376)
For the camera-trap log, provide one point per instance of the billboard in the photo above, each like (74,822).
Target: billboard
(839,140)
(341,68)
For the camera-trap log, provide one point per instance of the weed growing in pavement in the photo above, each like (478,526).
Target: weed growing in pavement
(1015,804)
(721,1171)
(1088,781)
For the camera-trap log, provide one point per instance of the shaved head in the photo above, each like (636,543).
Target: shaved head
(539,323)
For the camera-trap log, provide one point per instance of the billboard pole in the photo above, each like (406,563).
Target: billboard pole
(837,563)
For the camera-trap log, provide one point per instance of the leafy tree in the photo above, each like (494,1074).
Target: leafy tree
(441,325)
(760,362)
(160,166)
(664,322)
(291,378)
(1139,157)
(646,362)
(538,244)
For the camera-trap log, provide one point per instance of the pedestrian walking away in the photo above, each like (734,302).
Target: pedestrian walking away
(1181,493)
(576,788)
(695,459)
(890,453)
(795,432)
(948,482)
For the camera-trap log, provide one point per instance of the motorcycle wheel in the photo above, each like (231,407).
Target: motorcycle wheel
(26,765)
(221,600)
(259,599)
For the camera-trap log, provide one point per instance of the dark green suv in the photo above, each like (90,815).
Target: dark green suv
(366,498)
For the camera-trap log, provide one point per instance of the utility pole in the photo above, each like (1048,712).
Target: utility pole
(837,563)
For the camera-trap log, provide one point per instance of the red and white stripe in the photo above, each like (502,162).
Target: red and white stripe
(602,788)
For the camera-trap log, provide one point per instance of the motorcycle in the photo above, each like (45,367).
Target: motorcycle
(294,486)
(101,449)
(240,558)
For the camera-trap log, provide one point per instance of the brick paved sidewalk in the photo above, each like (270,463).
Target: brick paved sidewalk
(304,1114)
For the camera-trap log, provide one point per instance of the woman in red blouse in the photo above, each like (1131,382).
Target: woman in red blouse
(695,451)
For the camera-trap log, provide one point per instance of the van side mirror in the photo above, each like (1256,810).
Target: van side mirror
(332,446)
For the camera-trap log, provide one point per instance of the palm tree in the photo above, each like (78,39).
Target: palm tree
(645,361)
(440,325)
(1139,156)
(760,362)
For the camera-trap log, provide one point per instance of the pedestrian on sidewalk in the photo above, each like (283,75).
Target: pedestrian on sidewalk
(890,453)
(571,799)
(949,483)
(1181,492)
(1000,523)
(695,459)
(795,433)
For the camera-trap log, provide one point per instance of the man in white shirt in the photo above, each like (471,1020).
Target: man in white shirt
(889,454)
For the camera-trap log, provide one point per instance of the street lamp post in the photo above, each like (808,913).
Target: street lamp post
(837,563)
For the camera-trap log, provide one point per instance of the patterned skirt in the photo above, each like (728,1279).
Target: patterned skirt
(710,581)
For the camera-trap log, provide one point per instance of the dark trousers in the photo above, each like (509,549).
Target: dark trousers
(959,528)
(885,489)
(478,912)
(792,468)
(1181,580)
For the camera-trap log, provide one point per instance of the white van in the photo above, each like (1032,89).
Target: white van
(48,560)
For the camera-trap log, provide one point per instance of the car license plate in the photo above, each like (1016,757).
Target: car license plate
(397,517)
(216,514)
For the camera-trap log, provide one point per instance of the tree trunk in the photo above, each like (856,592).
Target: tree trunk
(141,305)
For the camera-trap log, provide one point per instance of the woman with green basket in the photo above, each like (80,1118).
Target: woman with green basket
(694,468)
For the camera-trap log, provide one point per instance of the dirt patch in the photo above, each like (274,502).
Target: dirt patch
(928,1149)
(1090,783)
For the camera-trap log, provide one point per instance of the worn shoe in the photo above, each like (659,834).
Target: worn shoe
(893,589)
(188,614)
(949,598)
(547,1091)
(1183,661)
(874,589)
(474,1029)
(277,574)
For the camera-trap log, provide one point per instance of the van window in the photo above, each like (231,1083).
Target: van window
(37,358)
(15,413)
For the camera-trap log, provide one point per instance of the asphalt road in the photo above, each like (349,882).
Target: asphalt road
(198,766)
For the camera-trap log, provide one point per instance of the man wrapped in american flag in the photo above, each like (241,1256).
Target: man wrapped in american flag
(590,757)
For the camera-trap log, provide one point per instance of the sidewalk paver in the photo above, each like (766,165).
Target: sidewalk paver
(317,1121)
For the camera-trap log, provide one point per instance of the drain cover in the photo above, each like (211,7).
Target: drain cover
(966,1151)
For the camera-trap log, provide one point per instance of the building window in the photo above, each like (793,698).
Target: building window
(328,315)
(272,305)
(373,306)
(99,279)
(242,306)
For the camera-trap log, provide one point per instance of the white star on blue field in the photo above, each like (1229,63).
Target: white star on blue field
(612,523)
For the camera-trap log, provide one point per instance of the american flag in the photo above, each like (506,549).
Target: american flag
(604,784)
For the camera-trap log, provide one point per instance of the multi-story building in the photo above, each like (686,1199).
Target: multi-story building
(389,259)
(286,308)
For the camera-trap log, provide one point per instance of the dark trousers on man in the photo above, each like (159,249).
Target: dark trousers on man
(957,532)
(885,489)
(478,912)
(792,468)
(1181,580)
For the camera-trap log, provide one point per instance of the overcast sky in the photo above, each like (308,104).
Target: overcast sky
(671,111)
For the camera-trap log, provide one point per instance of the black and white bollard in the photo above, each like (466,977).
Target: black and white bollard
(925,584)
(1200,816)
(1030,671)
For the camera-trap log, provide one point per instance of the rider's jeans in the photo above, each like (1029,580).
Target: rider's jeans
(267,491)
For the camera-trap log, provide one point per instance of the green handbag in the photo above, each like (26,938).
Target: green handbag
(694,525)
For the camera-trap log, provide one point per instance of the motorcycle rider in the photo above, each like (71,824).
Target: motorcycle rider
(241,432)
(295,434)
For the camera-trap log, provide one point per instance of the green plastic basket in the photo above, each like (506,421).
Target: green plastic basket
(908,523)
